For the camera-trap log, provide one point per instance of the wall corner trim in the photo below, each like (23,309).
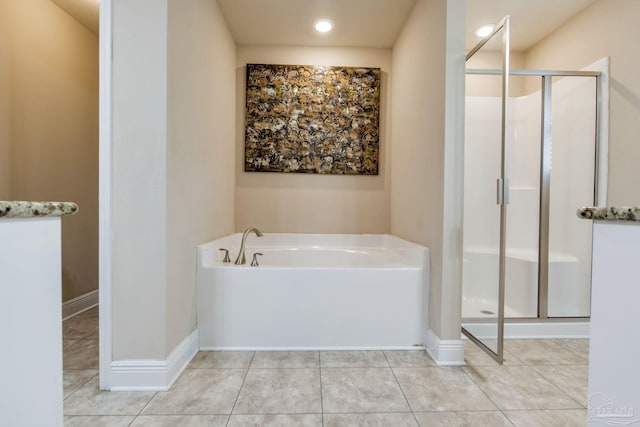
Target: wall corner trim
(153,375)
(445,352)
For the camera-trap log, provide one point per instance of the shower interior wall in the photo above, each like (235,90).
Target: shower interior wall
(572,178)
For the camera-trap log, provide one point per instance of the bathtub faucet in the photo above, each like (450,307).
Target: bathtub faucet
(241,259)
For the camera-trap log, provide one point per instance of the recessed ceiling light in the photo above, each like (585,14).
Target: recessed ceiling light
(485,30)
(323,25)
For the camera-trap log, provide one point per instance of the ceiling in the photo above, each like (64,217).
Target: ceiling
(377,23)
(371,23)
(530,20)
(366,23)
(87,12)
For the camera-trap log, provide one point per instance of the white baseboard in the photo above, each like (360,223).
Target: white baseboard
(445,352)
(532,330)
(153,375)
(77,305)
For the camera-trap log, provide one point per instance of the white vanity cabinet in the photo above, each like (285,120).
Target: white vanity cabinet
(614,351)
(30,319)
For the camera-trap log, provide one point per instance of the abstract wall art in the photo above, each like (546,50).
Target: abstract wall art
(312,119)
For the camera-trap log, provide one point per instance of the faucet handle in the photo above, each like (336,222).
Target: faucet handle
(226,255)
(254,262)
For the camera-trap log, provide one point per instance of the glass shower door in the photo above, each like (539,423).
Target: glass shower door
(486,198)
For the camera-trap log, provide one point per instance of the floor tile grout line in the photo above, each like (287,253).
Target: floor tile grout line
(527,409)
(321,395)
(561,342)
(373,412)
(401,389)
(79,387)
(507,418)
(480,388)
(244,378)
(146,404)
(262,414)
(582,406)
(77,342)
(550,410)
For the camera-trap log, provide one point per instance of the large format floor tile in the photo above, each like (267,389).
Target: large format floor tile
(199,391)
(83,354)
(361,390)
(81,326)
(353,359)
(544,352)
(580,346)
(180,421)
(572,379)
(66,343)
(97,421)
(542,383)
(370,420)
(519,387)
(221,359)
(280,391)
(282,420)
(286,359)
(459,419)
(441,389)
(89,400)
(74,379)
(409,358)
(474,356)
(548,418)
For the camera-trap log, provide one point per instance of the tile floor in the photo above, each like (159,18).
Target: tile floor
(542,383)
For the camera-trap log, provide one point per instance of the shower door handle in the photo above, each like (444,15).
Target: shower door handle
(502,197)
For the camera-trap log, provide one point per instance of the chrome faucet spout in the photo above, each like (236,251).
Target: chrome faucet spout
(240,260)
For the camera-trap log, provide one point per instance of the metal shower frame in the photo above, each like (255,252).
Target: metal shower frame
(545,180)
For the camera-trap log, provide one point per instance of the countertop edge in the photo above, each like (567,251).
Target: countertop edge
(610,213)
(24,209)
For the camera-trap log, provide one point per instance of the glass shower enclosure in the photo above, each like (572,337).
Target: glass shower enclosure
(531,155)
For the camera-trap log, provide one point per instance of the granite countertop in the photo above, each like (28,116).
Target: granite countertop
(610,213)
(36,209)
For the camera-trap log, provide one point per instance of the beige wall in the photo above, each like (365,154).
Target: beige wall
(5,109)
(483,85)
(606,28)
(201,137)
(303,203)
(173,181)
(422,95)
(49,125)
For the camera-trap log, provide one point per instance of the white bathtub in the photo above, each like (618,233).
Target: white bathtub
(313,292)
